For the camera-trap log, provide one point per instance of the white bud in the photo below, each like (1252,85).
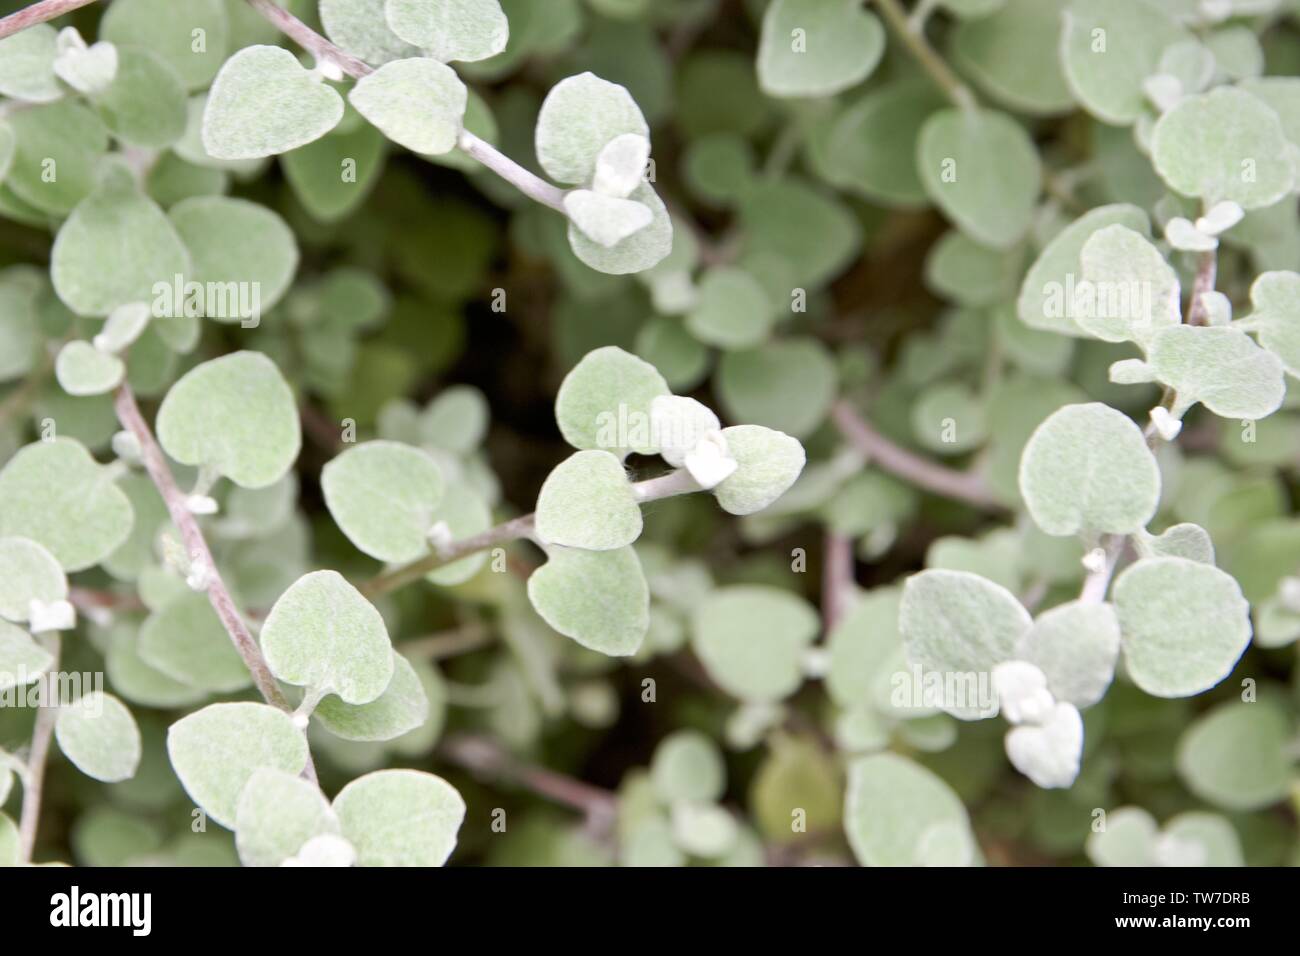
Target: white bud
(1221,217)
(440,536)
(1165,424)
(200,575)
(620,165)
(1094,562)
(126,447)
(1164,90)
(1183,235)
(1048,753)
(709,462)
(1022,692)
(200,505)
(52,616)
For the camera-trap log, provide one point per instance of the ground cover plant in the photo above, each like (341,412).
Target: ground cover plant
(614,432)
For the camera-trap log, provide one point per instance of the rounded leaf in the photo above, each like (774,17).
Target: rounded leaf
(752,639)
(983,171)
(58,496)
(1184,625)
(588,502)
(897,813)
(215,751)
(579,116)
(643,247)
(22,660)
(1087,468)
(235,414)
(598,598)
(817,47)
(1220,367)
(960,625)
(402,707)
(1129,292)
(400,818)
(767,463)
(99,735)
(384,496)
(28,572)
(1236,756)
(263,102)
(83,369)
(447,30)
(323,635)
(786,386)
(185,640)
(276,814)
(604,402)
(417,103)
(1076,645)
(687,765)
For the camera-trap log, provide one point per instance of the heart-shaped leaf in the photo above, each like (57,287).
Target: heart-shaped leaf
(98,734)
(57,495)
(588,502)
(604,402)
(115,249)
(83,369)
(642,249)
(1184,540)
(263,103)
(400,818)
(1129,292)
(1047,295)
(1275,297)
(1109,49)
(605,220)
(1222,368)
(145,105)
(465,30)
(384,496)
(238,244)
(323,635)
(1076,646)
(1236,755)
(402,707)
(172,31)
(87,69)
(679,425)
(983,171)
(28,572)
(578,118)
(185,640)
(598,598)
(817,47)
(752,639)
(22,660)
(732,311)
(1224,145)
(1184,625)
(361,28)
(621,165)
(215,751)
(1087,469)
(898,813)
(687,765)
(767,464)
(960,626)
(1128,839)
(236,415)
(276,814)
(417,103)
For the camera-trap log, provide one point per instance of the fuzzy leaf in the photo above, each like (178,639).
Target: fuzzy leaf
(787,385)
(1076,646)
(145,104)
(28,572)
(768,462)
(1047,299)
(114,249)
(417,103)
(1131,292)
(983,171)
(186,641)
(641,249)
(402,707)
(598,598)
(57,495)
(1275,297)
(22,660)
(98,734)
(235,414)
(1235,756)
(1087,469)
(578,118)
(733,310)
(1108,50)
(167,29)
(1222,368)
(384,496)
(687,765)
(1048,753)
(960,624)
(751,639)
(587,502)
(361,27)
(83,369)
(276,814)
(897,813)
(263,102)
(817,47)
(605,220)
(1128,839)
(1184,625)
(1223,145)
(323,635)
(449,30)
(609,387)
(400,818)
(215,751)
(236,241)
(27,65)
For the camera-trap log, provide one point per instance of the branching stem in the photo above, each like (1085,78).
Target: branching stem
(935,66)
(964,486)
(33,774)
